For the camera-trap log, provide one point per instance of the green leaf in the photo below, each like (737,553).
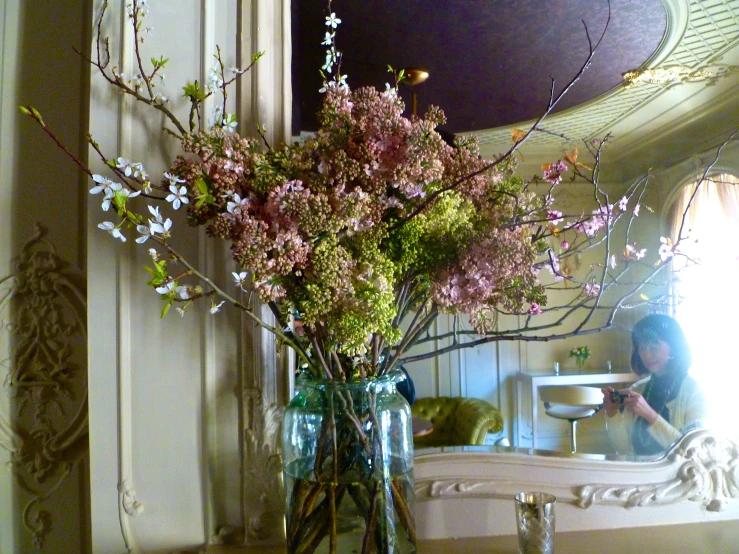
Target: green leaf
(201,186)
(166,308)
(33,112)
(194,92)
(259,54)
(160,63)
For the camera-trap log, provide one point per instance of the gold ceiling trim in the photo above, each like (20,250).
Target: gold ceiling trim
(664,76)
(677,74)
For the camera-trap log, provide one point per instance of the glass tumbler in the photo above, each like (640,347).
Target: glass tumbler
(535,522)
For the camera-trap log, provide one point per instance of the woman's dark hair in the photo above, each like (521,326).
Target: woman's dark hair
(659,327)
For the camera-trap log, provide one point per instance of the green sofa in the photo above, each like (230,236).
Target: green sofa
(456,421)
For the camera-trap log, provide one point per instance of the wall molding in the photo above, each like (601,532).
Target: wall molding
(45,421)
(266,372)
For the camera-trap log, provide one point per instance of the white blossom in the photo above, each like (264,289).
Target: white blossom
(178,196)
(157,228)
(166,288)
(217,116)
(240,278)
(112,229)
(332,21)
(173,179)
(108,199)
(237,205)
(229,123)
(145,233)
(104,184)
(182,292)
(128,194)
(215,308)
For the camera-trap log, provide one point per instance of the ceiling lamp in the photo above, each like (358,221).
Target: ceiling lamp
(413,76)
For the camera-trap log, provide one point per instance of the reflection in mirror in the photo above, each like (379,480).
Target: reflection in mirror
(666,126)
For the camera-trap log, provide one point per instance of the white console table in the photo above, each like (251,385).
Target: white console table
(527,386)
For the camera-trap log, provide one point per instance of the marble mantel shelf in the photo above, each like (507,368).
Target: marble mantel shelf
(696,538)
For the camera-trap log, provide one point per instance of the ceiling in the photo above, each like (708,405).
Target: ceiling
(492,62)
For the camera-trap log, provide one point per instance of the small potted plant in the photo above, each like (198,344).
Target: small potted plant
(580,353)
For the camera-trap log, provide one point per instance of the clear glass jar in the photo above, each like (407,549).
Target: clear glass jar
(347,452)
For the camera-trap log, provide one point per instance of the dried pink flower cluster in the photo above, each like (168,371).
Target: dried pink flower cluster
(372,189)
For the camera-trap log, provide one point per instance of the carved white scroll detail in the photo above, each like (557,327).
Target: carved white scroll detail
(709,475)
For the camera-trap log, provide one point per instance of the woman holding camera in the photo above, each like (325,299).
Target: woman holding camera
(657,410)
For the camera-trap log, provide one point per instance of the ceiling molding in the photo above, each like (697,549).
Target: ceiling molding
(678,17)
(699,35)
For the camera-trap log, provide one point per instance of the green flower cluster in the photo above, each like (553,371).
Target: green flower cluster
(580,353)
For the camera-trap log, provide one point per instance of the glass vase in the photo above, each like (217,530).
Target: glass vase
(348,467)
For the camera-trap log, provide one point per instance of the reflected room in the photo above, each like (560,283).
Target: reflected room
(640,136)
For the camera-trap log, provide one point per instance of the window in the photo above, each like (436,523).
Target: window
(707,312)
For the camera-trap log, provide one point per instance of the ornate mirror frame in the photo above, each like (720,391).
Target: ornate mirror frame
(471,492)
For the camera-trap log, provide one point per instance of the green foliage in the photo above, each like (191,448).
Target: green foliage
(158,272)
(194,92)
(159,63)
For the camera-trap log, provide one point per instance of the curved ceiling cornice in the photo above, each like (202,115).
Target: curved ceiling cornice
(701,36)
(491,61)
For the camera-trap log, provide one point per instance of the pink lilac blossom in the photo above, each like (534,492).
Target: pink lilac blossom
(553,172)
(631,252)
(553,267)
(308,221)
(592,289)
(486,275)
(554,217)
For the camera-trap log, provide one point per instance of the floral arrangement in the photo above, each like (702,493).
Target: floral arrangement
(581,354)
(367,231)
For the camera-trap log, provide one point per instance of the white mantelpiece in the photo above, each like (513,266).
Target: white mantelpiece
(469,494)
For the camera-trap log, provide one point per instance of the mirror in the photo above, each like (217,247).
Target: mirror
(485,70)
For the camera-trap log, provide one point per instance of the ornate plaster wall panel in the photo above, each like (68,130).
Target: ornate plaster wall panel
(44,418)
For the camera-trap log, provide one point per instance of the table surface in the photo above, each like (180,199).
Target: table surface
(720,537)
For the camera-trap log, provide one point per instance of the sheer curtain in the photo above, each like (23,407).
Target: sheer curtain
(707,313)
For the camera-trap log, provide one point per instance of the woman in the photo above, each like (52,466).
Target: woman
(651,415)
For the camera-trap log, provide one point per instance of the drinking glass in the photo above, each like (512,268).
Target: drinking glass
(535,522)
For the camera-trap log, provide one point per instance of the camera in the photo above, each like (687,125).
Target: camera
(618,397)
